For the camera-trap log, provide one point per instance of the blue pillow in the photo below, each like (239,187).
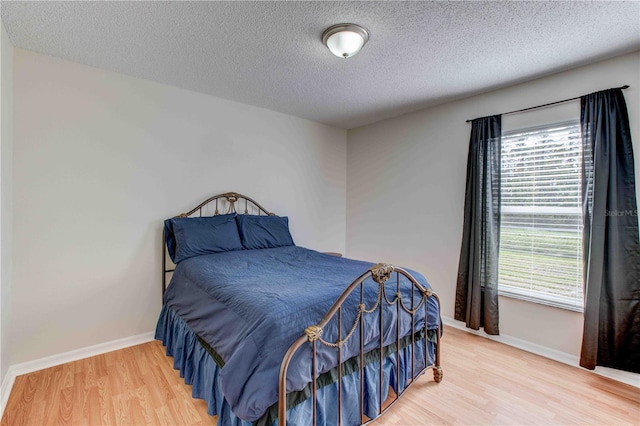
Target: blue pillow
(258,232)
(192,236)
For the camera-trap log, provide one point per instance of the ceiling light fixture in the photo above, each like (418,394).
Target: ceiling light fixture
(345,40)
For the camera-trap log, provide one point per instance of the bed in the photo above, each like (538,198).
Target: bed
(269,333)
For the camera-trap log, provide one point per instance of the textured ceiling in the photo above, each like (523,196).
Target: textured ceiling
(269,54)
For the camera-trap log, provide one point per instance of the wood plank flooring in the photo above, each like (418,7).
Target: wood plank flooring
(485,382)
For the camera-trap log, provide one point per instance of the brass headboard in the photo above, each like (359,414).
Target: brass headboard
(229,202)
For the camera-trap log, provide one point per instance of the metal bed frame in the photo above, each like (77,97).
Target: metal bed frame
(380,273)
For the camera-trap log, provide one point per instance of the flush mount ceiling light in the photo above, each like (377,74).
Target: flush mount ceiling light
(345,40)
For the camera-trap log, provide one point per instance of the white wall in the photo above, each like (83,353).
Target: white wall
(6,143)
(100,159)
(406,181)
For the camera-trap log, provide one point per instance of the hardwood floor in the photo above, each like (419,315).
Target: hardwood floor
(485,382)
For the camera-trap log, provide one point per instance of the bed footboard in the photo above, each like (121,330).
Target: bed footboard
(313,335)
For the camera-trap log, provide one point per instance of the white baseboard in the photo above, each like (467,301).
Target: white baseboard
(563,357)
(51,361)
(5,390)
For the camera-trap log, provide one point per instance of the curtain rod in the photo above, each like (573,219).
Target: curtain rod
(626,86)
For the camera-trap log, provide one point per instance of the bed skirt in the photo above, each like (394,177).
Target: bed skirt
(199,369)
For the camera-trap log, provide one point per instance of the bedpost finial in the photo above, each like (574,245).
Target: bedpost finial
(381,272)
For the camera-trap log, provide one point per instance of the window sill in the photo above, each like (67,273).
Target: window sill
(541,299)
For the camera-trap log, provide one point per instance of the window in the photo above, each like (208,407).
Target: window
(541,221)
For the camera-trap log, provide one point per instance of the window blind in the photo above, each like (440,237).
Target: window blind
(540,257)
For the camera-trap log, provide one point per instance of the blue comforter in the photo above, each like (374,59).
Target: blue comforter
(250,305)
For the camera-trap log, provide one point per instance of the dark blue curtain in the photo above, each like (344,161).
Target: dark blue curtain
(477,284)
(611,244)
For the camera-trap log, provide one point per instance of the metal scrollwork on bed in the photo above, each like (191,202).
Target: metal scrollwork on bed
(381,273)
